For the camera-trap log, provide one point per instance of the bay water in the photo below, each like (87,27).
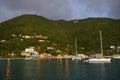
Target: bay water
(58,69)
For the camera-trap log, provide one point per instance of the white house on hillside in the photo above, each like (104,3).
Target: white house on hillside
(30,51)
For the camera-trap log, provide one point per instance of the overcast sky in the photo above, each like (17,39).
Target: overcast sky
(60,9)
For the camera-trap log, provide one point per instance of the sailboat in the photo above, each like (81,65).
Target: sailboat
(76,57)
(101,59)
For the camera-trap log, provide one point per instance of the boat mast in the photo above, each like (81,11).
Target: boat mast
(76,46)
(118,47)
(101,44)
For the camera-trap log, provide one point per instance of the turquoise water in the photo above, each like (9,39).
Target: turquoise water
(58,69)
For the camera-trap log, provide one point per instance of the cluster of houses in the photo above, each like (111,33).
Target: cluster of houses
(36,36)
(41,37)
(30,52)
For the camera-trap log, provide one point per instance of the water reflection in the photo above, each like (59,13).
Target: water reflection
(38,66)
(57,69)
(67,68)
(61,61)
(62,68)
(28,69)
(7,76)
(103,72)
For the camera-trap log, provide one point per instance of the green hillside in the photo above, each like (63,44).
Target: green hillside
(60,35)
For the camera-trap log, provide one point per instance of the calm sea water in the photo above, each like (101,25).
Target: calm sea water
(58,69)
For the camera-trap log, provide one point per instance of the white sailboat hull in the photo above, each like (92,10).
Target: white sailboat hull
(95,60)
(116,57)
(76,58)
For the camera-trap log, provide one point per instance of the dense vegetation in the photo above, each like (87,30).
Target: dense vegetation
(60,33)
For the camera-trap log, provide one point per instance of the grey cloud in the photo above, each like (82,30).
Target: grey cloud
(100,8)
(55,9)
(114,9)
(60,9)
(92,8)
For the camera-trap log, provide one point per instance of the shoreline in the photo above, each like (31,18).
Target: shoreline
(36,58)
(53,57)
(10,58)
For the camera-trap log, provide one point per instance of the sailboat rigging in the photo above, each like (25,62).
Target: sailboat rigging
(101,59)
(76,51)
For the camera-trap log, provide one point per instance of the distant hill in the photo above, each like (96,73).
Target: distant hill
(60,34)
